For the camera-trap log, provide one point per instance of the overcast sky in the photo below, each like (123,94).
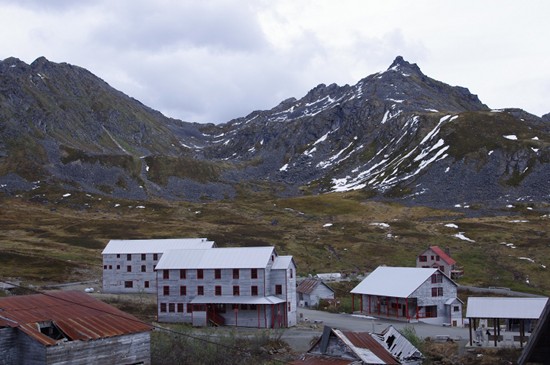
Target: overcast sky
(212,61)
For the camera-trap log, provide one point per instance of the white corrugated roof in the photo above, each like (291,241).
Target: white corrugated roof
(155,245)
(217,258)
(397,282)
(507,307)
(282,263)
(221,299)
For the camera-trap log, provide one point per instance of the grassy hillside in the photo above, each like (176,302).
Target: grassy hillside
(49,240)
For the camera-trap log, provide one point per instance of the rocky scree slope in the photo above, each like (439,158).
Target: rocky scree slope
(397,134)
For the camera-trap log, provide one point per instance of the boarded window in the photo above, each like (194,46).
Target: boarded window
(253,273)
(278,289)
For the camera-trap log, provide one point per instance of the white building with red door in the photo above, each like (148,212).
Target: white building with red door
(409,294)
(239,286)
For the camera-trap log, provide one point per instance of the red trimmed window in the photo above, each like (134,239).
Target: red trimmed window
(422,258)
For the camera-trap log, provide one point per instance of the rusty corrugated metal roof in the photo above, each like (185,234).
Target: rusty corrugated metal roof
(308,286)
(364,340)
(78,315)
(314,359)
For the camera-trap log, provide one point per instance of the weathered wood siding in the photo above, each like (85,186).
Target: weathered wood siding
(127,349)
(115,273)
(433,262)
(8,346)
(424,298)
(320,292)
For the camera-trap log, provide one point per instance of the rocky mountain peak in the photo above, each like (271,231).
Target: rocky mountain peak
(400,65)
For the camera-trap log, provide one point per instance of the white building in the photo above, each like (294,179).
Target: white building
(310,291)
(128,265)
(241,286)
(410,294)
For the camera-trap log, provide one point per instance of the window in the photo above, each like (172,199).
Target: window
(252,306)
(166,274)
(437,258)
(183,274)
(422,258)
(437,278)
(166,290)
(200,290)
(278,289)
(146,283)
(180,308)
(117,255)
(129,268)
(291,274)
(129,257)
(431,311)
(155,256)
(200,274)
(128,284)
(183,290)
(143,256)
(163,307)
(104,267)
(235,273)
(254,290)
(456,308)
(253,273)
(171,307)
(118,267)
(289,307)
(189,308)
(217,274)
(218,290)
(110,267)
(437,292)
(236,290)
(143,268)
(432,257)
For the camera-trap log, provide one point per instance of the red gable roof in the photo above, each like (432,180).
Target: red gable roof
(78,315)
(443,255)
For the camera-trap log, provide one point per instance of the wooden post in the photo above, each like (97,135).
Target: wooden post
(361,303)
(352,303)
(521,332)
(471,323)
(495,320)
(407,308)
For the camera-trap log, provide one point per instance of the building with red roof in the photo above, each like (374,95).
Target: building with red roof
(435,257)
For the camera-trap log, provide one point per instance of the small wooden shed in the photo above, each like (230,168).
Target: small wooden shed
(310,291)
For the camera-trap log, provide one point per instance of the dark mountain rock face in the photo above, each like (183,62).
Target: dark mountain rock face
(398,134)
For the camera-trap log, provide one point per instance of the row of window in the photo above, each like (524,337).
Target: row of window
(179,307)
(217,274)
(218,290)
(128,268)
(143,256)
(130,284)
(424,258)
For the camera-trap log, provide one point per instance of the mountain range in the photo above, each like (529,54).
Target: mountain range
(395,135)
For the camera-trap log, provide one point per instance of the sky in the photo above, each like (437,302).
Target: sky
(212,61)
